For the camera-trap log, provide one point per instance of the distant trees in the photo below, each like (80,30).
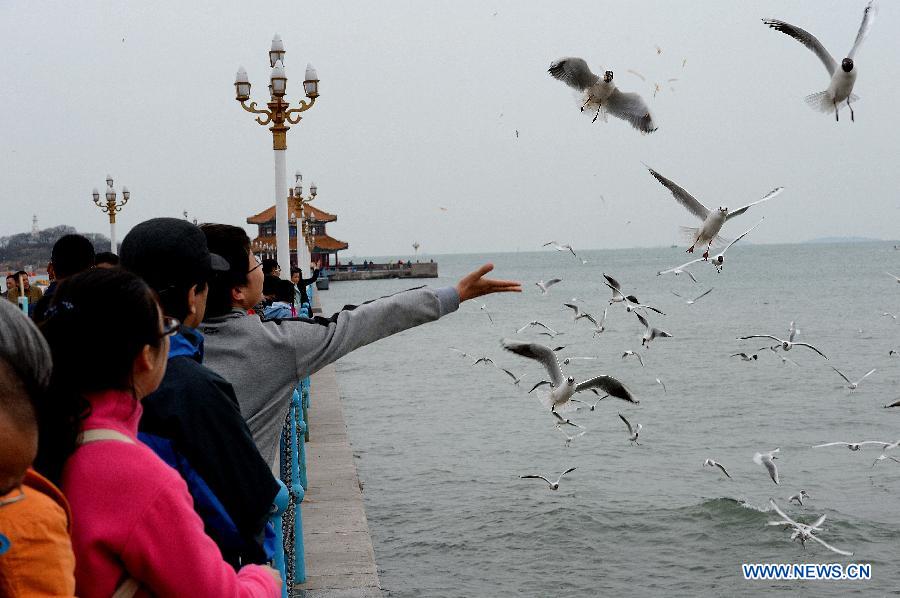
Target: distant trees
(30,251)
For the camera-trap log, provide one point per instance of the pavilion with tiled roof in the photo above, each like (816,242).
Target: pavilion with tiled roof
(322,246)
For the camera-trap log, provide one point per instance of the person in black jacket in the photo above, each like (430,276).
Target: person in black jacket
(194,415)
(71,254)
(301,283)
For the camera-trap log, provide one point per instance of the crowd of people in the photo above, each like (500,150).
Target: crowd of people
(141,406)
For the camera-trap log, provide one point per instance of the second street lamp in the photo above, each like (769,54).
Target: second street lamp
(299,204)
(279,114)
(111,207)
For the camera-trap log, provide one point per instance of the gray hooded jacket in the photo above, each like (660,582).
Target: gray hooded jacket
(265,360)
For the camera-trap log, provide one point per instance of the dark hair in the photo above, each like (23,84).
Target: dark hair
(106,257)
(270,285)
(233,244)
(72,254)
(21,273)
(97,324)
(296,270)
(284,291)
(25,366)
(269,265)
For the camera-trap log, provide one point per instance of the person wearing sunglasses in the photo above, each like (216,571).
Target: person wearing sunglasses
(36,557)
(134,526)
(194,414)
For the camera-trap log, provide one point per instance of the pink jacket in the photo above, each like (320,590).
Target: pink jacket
(132,516)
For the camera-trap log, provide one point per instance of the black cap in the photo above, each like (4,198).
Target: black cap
(169,251)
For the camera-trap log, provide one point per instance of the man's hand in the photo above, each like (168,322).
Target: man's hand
(475,285)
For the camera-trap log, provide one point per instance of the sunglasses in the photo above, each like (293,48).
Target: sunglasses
(170,326)
(258,264)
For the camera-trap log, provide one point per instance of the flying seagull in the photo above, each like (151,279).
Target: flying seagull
(562,389)
(553,485)
(695,299)
(602,94)
(545,286)
(745,357)
(678,270)
(650,332)
(516,379)
(485,310)
(536,323)
(894,404)
(854,446)
(786,345)
(660,382)
(569,439)
(559,247)
(804,532)
(853,385)
(630,301)
(590,406)
(894,276)
(768,460)
(577,314)
(841,87)
(708,232)
(633,432)
(799,497)
(712,463)
(601,326)
(630,353)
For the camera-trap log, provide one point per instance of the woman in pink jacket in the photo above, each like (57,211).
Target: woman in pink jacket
(134,527)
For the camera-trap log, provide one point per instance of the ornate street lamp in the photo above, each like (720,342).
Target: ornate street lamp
(278,114)
(111,206)
(299,202)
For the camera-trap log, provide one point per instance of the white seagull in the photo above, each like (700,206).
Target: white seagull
(562,389)
(630,353)
(745,357)
(590,406)
(485,310)
(768,460)
(553,485)
(854,446)
(786,345)
(602,94)
(695,299)
(536,323)
(633,432)
(798,497)
(678,270)
(853,385)
(712,463)
(559,247)
(630,301)
(600,326)
(894,276)
(650,332)
(804,532)
(577,314)
(545,286)
(718,260)
(842,80)
(660,382)
(708,232)
(516,379)
(569,439)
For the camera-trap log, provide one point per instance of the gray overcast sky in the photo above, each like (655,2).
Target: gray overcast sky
(420,104)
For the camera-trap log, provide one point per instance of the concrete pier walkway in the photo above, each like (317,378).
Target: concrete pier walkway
(340,561)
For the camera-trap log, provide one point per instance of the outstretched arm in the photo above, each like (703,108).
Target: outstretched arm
(475,285)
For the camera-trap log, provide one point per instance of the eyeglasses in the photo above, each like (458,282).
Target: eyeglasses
(170,326)
(12,499)
(258,264)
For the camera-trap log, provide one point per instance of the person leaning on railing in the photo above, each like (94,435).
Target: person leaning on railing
(194,413)
(264,360)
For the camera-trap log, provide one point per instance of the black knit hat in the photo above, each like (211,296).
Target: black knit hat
(168,252)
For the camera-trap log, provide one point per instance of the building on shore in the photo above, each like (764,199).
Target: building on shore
(323,248)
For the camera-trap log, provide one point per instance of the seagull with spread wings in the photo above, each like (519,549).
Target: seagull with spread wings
(804,532)
(545,286)
(768,460)
(695,299)
(553,485)
(603,94)
(563,389)
(840,90)
(633,431)
(850,383)
(650,332)
(713,220)
(713,463)
(785,344)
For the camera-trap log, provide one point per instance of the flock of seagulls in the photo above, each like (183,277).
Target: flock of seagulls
(560,396)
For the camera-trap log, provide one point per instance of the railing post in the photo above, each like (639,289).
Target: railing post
(281,503)
(297,492)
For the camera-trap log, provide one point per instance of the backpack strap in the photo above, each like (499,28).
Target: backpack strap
(129,587)
(102,434)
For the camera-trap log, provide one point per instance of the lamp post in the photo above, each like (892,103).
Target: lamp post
(279,112)
(111,207)
(299,202)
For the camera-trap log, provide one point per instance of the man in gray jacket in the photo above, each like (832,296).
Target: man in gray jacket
(265,360)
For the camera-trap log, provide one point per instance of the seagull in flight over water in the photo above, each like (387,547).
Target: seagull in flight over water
(603,94)
(633,432)
(768,460)
(553,485)
(786,345)
(650,332)
(695,299)
(853,385)
(559,247)
(545,286)
(799,497)
(562,389)
(804,532)
(855,446)
(536,323)
(840,90)
(712,463)
(713,220)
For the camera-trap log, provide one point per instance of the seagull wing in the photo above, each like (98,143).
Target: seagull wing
(539,353)
(808,346)
(614,284)
(539,384)
(766,197)
(552,282)
(631,107)
(642,320)
(681,196)
(864,28)
(610,386)
(536,477)
(461,353)
(703,294)
(590,319)
(637,74)
(774,338)
(573,307)
(742,235)
(681,268)
(570,470)
(773,469)
(869,373)
(829,546)
(510,374)
(719,465)
(832,443)
(782,514)
(630,430)
(807,39)
(574,72)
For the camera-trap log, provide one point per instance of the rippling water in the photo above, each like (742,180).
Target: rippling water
(441,444)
